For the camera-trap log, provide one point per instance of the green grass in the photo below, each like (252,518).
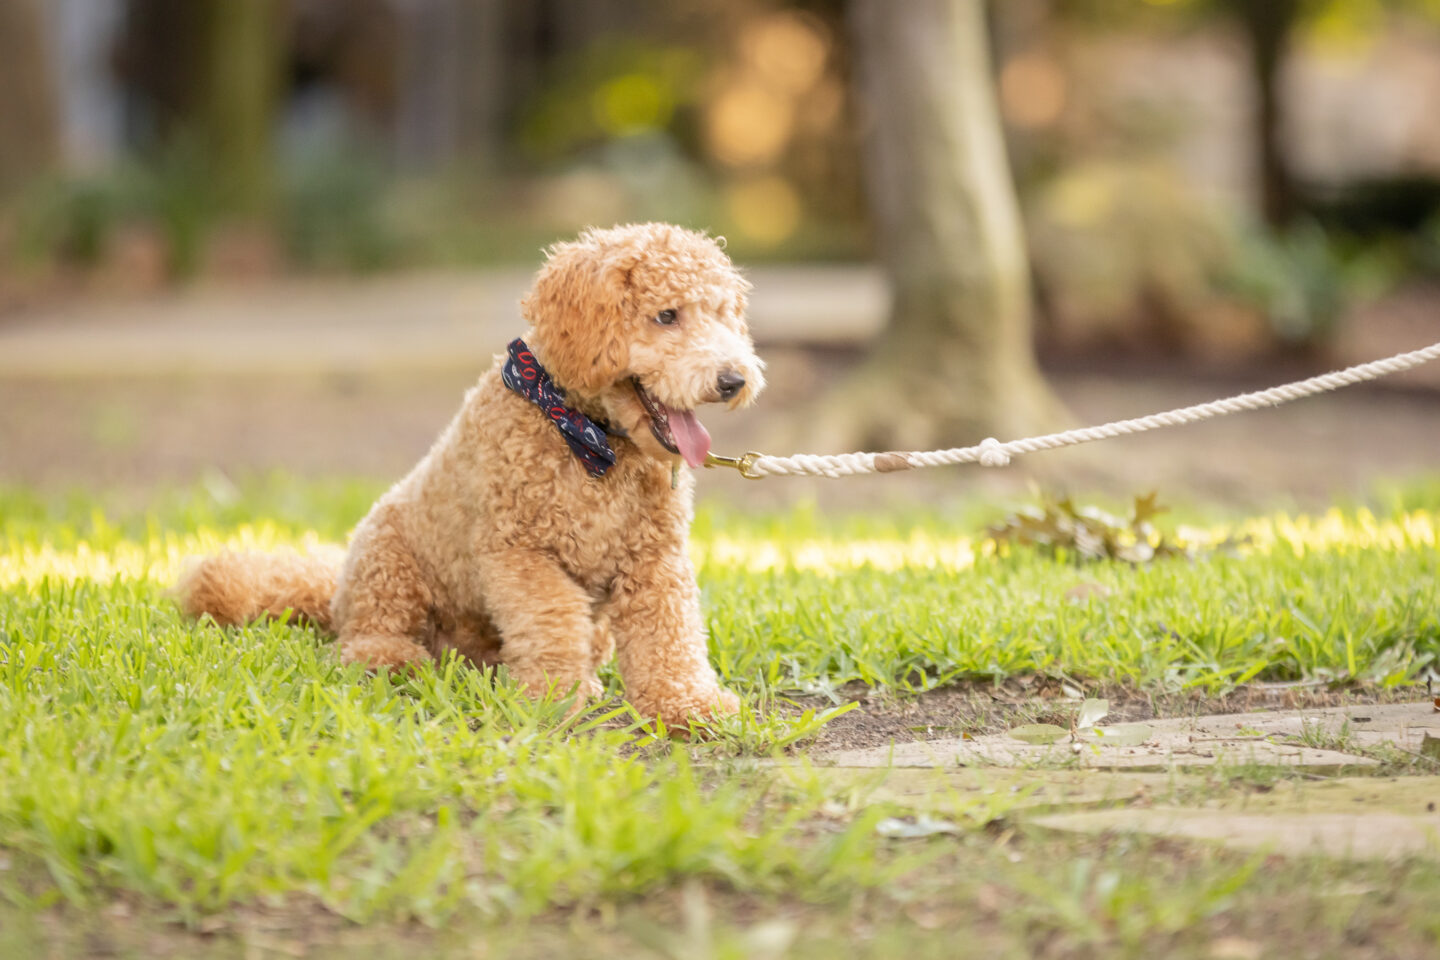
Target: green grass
(198,771)
(199,768)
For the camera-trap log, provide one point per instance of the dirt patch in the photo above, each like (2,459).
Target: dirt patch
(978,708)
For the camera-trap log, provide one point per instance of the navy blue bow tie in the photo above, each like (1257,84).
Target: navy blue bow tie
(523,374)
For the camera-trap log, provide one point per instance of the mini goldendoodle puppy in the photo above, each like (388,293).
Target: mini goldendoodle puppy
(548,524)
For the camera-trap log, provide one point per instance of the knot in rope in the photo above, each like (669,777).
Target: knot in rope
(992,454)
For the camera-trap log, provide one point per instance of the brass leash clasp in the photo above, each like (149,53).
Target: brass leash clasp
(745,464)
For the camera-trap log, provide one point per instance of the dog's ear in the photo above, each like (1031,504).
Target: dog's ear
(580,312)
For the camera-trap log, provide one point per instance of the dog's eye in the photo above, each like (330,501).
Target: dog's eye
(666,317)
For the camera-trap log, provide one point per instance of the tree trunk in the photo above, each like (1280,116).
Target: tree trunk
(29,128)
(241,86)
(956,363)
(430,70)
(1270,25)
(484,84)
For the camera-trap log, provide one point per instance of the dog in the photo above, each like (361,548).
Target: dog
(547,526)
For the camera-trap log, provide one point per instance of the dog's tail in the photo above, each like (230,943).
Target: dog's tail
(235,588)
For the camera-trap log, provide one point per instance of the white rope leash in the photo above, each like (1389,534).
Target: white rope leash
(992,453)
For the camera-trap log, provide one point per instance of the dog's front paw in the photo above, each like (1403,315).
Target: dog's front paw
(726,703)
(681,710)
(586,692)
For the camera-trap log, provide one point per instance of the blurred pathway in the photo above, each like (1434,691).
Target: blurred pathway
(425,321)
(357,377)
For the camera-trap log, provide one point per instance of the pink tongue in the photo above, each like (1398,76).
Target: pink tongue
(690,436)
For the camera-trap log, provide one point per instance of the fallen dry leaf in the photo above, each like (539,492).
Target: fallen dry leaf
(896,828)
(1091,712)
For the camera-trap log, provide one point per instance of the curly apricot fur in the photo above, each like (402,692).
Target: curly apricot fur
(498,545)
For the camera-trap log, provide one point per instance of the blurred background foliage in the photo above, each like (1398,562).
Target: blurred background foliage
(1201,176)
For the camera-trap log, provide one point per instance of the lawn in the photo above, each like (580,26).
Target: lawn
(165,782)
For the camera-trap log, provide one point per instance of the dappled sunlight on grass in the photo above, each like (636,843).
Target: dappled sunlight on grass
(105,553)
(1339,530)
(831,557)
(159,557)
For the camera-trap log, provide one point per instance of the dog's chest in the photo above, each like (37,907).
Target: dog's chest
(604,525)
(502,478)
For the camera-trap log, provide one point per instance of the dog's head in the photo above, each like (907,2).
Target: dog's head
(646,322)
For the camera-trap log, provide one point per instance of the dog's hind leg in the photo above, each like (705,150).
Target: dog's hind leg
(382,605)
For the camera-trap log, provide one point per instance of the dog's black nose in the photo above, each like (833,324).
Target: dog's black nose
(729,384)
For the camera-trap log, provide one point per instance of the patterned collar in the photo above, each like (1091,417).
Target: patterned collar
(523,374)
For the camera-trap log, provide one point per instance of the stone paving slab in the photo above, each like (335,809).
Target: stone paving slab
(1356,836)
(1159,753)
(1309,738)
(967,789)
(1355,817)
(1402,724)
(1350,817)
